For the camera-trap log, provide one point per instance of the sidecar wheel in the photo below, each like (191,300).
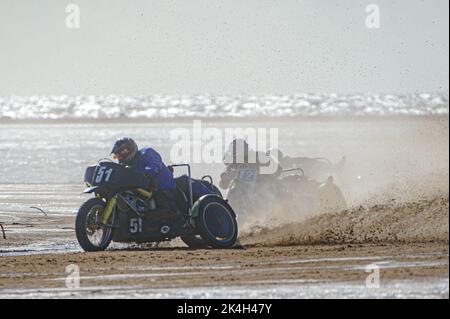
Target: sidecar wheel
(90,234)
(217,222)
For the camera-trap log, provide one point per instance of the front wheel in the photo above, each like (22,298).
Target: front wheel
(217,222)
(91,234)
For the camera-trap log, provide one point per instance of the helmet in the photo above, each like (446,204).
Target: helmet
(124,150)
(275,152)
(237,152)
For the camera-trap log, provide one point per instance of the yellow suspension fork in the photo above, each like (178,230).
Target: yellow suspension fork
(144,193)
(110,204)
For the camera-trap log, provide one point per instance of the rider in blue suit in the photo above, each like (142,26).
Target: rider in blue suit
(149,162)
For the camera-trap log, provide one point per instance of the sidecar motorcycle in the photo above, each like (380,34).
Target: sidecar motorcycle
(123,210)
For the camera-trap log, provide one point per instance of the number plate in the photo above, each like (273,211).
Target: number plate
(103,175)
(246,175)
(135,225)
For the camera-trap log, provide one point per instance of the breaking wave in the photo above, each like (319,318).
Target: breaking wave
(206,106)
(420,221)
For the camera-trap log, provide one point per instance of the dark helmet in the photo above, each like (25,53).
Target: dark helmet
(275,152)
(237,151)
(125,149)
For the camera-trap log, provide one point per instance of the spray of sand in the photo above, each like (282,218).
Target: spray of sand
(420,221)
(396,185)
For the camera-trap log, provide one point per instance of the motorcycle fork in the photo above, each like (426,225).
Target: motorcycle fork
(110,205)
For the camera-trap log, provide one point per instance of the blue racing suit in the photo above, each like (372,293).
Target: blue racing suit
(149,161)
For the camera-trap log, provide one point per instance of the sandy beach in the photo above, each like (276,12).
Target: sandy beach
(399,228)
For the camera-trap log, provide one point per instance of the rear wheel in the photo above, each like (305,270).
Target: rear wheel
(217,223)
(91,234)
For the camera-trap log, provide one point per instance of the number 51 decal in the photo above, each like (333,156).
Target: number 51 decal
(103,172)
(135,225)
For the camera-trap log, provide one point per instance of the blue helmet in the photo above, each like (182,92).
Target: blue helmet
(125,149)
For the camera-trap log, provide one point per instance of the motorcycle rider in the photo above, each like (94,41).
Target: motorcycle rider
(249,188)
(240,157)
(149,162)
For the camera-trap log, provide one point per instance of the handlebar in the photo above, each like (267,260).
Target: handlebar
(293,169)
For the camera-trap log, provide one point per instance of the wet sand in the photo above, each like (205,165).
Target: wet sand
(181,272)
(398,220)
(283,262)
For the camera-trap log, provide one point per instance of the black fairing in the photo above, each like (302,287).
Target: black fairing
(89,174)
(112,178)
(151,228)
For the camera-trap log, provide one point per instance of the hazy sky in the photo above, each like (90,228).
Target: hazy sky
(223,47)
